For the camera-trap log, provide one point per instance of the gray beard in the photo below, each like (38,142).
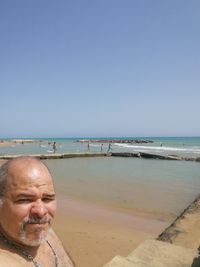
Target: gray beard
(41,234)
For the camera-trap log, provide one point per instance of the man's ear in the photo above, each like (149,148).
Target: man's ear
(1,209)
(1,203)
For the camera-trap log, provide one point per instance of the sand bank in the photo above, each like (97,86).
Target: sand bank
(2,161)
(7,143)
(93,234)
(25,141)
(10,143)
(4,143)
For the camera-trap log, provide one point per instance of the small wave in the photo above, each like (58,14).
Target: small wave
(161,148)
(95,145)
(50,151)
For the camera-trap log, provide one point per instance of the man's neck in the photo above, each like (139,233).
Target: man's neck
(11,243)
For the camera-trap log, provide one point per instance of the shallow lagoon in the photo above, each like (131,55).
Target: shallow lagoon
(156,188)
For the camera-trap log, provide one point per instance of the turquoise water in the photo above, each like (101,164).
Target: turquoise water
(184,146)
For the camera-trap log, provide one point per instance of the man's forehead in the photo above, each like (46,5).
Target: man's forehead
(26,165)
(30,187)
(24,174)
(28,162)
(24,182)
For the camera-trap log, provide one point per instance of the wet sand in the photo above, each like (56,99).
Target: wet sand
(2,161)
(93,234)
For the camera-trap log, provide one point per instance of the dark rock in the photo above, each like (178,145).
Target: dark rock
(124,154)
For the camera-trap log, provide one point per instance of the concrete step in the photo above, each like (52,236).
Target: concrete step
(154,253)
(158,253)
(119,261)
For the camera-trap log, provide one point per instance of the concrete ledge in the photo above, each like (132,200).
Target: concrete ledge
(119,261)
(160,254)
(153,253)
(185,230)
(58,156)
(105,154)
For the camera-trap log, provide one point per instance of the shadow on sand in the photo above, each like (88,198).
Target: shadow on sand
(196,261)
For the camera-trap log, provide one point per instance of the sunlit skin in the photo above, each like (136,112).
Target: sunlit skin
(29,203)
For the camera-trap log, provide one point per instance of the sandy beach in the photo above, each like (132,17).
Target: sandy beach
(4,143)
(93,234)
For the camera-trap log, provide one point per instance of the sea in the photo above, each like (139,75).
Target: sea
(156,188)
(183,146)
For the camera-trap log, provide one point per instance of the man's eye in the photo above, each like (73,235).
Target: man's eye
(23,200)
(47,199)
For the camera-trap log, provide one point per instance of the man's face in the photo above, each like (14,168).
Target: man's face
(29,204)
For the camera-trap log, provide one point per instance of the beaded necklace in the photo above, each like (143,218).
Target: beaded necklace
(25,254)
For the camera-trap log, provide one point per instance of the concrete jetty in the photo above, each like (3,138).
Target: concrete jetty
(58,155)
(104,154)
(144,155)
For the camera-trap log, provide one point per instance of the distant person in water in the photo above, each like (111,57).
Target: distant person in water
(101,147)
(109,148)
(54,147)
(88,146)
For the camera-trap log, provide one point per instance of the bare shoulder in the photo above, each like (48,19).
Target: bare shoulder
(8,260)
(63,256)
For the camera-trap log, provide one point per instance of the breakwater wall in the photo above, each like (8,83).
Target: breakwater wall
(57,155)
(108,154)
(154,156)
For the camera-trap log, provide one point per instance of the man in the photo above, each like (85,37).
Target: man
(54,147)
(27,208)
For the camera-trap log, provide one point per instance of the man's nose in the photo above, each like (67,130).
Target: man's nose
(39,209)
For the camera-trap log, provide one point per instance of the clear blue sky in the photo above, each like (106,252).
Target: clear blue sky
(99,68)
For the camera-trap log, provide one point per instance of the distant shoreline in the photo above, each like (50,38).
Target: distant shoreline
(4,142)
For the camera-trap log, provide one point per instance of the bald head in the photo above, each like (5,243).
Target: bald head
(19,166)
(27,203)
